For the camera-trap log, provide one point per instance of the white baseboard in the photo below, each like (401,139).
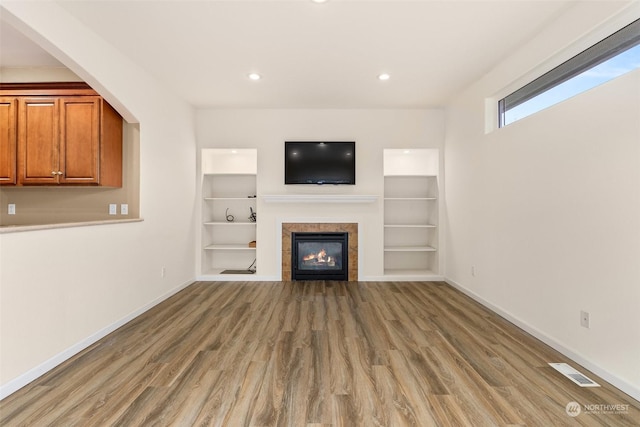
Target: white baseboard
(237,278)
(403,278)
(256,278)
(617,382)
(26,378)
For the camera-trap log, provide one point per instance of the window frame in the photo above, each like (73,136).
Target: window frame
(609,47)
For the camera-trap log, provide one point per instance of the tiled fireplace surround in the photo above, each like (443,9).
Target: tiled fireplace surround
(297,227)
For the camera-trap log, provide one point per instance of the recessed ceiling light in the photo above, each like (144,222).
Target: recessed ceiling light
(255,76)
(384,76)
(319,1)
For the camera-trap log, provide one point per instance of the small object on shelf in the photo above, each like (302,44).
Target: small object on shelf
(229,217)
(253,216)
(250,270)
(252,197)
(252,244)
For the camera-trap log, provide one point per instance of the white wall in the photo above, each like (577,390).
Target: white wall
(373,130)
(547,209)
(62,289)
(45,74)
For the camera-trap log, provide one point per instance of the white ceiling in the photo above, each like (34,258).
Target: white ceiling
(310,55)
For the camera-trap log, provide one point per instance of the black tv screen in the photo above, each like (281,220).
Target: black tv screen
(307,162)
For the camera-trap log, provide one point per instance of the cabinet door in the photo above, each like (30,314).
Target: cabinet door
(79,140)
(8,141)
(38,138)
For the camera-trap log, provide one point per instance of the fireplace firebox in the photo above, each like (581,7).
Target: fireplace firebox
(319,256)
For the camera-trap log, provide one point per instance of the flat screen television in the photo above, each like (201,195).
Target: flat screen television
(315,162)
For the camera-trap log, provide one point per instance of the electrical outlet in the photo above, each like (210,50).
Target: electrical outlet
(584,319)
(11,209)
(124,209)
(113,209)
(163,271)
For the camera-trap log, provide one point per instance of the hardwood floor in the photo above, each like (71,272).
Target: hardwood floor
(315,354)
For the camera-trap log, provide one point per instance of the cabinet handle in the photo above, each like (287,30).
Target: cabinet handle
(59,172)
(54,173)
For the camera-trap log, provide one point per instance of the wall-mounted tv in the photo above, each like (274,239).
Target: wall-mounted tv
(316,162)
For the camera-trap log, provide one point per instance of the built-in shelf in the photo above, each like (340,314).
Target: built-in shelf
(421,273)
(409,226)
(228,198)
(409,249)
(318,198)
(414,175)
(229,189)
(225,223)
(229,174)
(411,214)
(217,274)
(232,247)
(408,199)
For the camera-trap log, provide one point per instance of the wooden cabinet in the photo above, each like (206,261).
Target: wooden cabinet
(8,140)
(38,141)
(64,138)
(79,159)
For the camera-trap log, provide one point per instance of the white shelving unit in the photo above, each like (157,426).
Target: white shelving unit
(411,209)
(229,195)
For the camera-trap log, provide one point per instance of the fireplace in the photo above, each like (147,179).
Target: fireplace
(319,256)
(288,228)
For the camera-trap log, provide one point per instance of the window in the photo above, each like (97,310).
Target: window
(612,57)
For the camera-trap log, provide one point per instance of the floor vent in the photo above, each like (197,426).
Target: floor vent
(575,376)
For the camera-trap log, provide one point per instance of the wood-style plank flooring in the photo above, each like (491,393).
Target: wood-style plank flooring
(315,354)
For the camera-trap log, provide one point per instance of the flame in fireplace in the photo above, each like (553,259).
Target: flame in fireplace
(320,257)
